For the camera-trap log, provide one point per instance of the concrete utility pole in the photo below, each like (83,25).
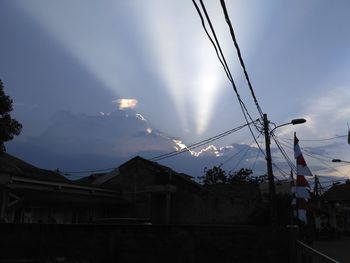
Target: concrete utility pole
(272,191)
(316,186)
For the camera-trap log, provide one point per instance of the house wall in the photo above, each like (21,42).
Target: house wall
(63,213)
(190,204)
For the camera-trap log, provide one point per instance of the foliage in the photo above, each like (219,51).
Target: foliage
(216,175)
(240,177)
(213,176)
(8,127)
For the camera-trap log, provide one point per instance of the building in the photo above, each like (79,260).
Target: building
(137,191)
(32,195)
(167,197)
(336,204)
(282,187)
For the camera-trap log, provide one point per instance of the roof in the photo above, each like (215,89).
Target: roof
(45,186)
(101,179)
(88,180)
(15,166)
(338,193)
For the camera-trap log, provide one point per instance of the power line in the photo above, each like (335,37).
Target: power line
(246,149)
(87,171)
(198,144)
(223,62)
(234,155)
(256,158)
(284,154)
(310,153)
(315,140)
(327,168)
(228,21)
(283,173)
(241,159)
(324,161)
(170,154)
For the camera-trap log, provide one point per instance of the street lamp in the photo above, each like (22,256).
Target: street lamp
(339,161)
(272,191)
(294,122)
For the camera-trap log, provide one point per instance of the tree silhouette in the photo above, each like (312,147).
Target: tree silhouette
(213,176)
(8,127)
(241,177)
(216,175)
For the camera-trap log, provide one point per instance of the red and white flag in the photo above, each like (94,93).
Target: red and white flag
(301,190)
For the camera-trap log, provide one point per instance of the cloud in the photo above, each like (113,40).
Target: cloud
(139,116)
(329,112)
(88,142)
(107,134)
(126,103)
(71,139)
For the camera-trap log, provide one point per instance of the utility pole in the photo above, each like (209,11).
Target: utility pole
(272,191)
(316,186)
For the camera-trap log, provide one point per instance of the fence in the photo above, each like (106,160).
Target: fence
(307,254)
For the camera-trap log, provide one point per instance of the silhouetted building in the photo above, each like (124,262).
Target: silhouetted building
(335,203)
(136,191)
(32,195)
(165,196)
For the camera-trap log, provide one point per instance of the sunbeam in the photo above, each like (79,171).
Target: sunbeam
(175,49)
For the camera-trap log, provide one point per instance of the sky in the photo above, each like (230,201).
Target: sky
(104,81)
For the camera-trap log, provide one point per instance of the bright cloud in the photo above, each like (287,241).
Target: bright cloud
(181,54)
(126,104)
(185,60)
(329,113)
(180,146)
(139,116)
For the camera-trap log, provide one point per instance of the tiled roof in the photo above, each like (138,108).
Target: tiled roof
(14,166)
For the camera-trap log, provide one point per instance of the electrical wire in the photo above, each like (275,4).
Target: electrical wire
(284,154)
(234,155)
(87,171)
(315,140)
(283,173)
(324,161)
(241,159)
(326,168)
(256,158)
(211,40)
(218,50)
(223,61)
(228,21)
(309,153)
(167,155)
(198,144)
